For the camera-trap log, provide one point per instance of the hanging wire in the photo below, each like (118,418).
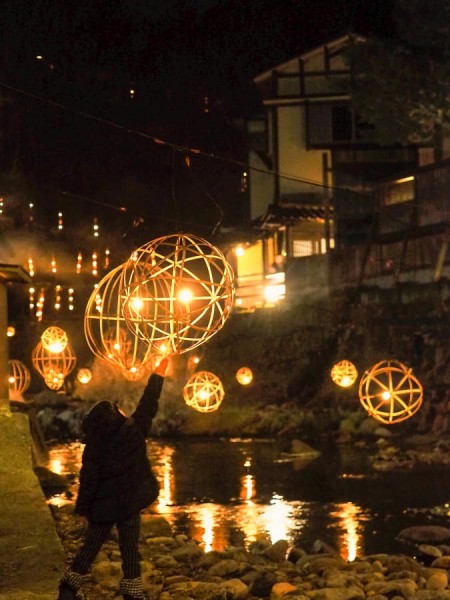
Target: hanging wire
(187,153)
(185,149)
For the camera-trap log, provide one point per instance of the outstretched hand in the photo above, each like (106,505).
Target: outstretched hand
(161,367)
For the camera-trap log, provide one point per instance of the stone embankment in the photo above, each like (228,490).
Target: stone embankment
(177,568)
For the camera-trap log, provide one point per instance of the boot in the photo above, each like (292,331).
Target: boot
(131,589)
(67,592)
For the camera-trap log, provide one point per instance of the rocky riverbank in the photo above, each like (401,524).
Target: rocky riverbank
(177,568)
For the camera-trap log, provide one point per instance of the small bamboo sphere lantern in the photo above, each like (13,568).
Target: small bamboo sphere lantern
(19,379)
(106,331)
(344,373)
(177,291)
(54,379)
(390,392)
(244,375)
(203,392)
(53,367)
(84,376)
(54,339)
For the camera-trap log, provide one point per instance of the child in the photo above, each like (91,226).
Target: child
(116,483)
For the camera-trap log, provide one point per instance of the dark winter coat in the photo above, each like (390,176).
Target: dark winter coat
(116,479)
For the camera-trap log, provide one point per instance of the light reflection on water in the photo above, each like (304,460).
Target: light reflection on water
(233,492)
(234,518)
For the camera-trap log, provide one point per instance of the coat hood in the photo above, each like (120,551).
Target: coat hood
(103,419)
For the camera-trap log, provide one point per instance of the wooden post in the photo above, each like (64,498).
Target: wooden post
(4,355)
(8,273)
(326,182)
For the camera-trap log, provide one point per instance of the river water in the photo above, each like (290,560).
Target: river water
(223,492)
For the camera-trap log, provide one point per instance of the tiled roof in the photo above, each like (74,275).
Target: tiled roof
(281,214)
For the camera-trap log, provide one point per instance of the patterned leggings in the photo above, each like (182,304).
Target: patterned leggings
(97,534)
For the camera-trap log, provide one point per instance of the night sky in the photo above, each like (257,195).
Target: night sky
(66,71)
(207,46)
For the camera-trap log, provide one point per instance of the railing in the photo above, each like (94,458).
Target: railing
(422,260)
(256,291)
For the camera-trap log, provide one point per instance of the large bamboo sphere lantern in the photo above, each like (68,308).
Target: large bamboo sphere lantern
(19,379)
(203,392)
(390,392)
(54,339)
(344,373)
(244,375)
(53,367)
(178,291)
(107,334)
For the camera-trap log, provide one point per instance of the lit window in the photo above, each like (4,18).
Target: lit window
(302,248)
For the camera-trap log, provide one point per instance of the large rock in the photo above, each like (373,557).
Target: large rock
(155,526)
(425,534)
(50,480)
(277,552)
(438,580)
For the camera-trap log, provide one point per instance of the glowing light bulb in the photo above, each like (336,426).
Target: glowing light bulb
(185,296)
(137,303)
(203,394)
(10,332)
(79,259)
(239,251)
(386,395)
(56,347)
(94,263)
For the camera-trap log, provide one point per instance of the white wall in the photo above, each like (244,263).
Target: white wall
(294,158)
(261,187)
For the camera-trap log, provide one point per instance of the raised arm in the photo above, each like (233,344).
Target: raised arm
(148,404)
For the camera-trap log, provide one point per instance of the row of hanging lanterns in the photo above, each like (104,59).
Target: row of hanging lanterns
(388,391)
(173,294)
(19,379)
